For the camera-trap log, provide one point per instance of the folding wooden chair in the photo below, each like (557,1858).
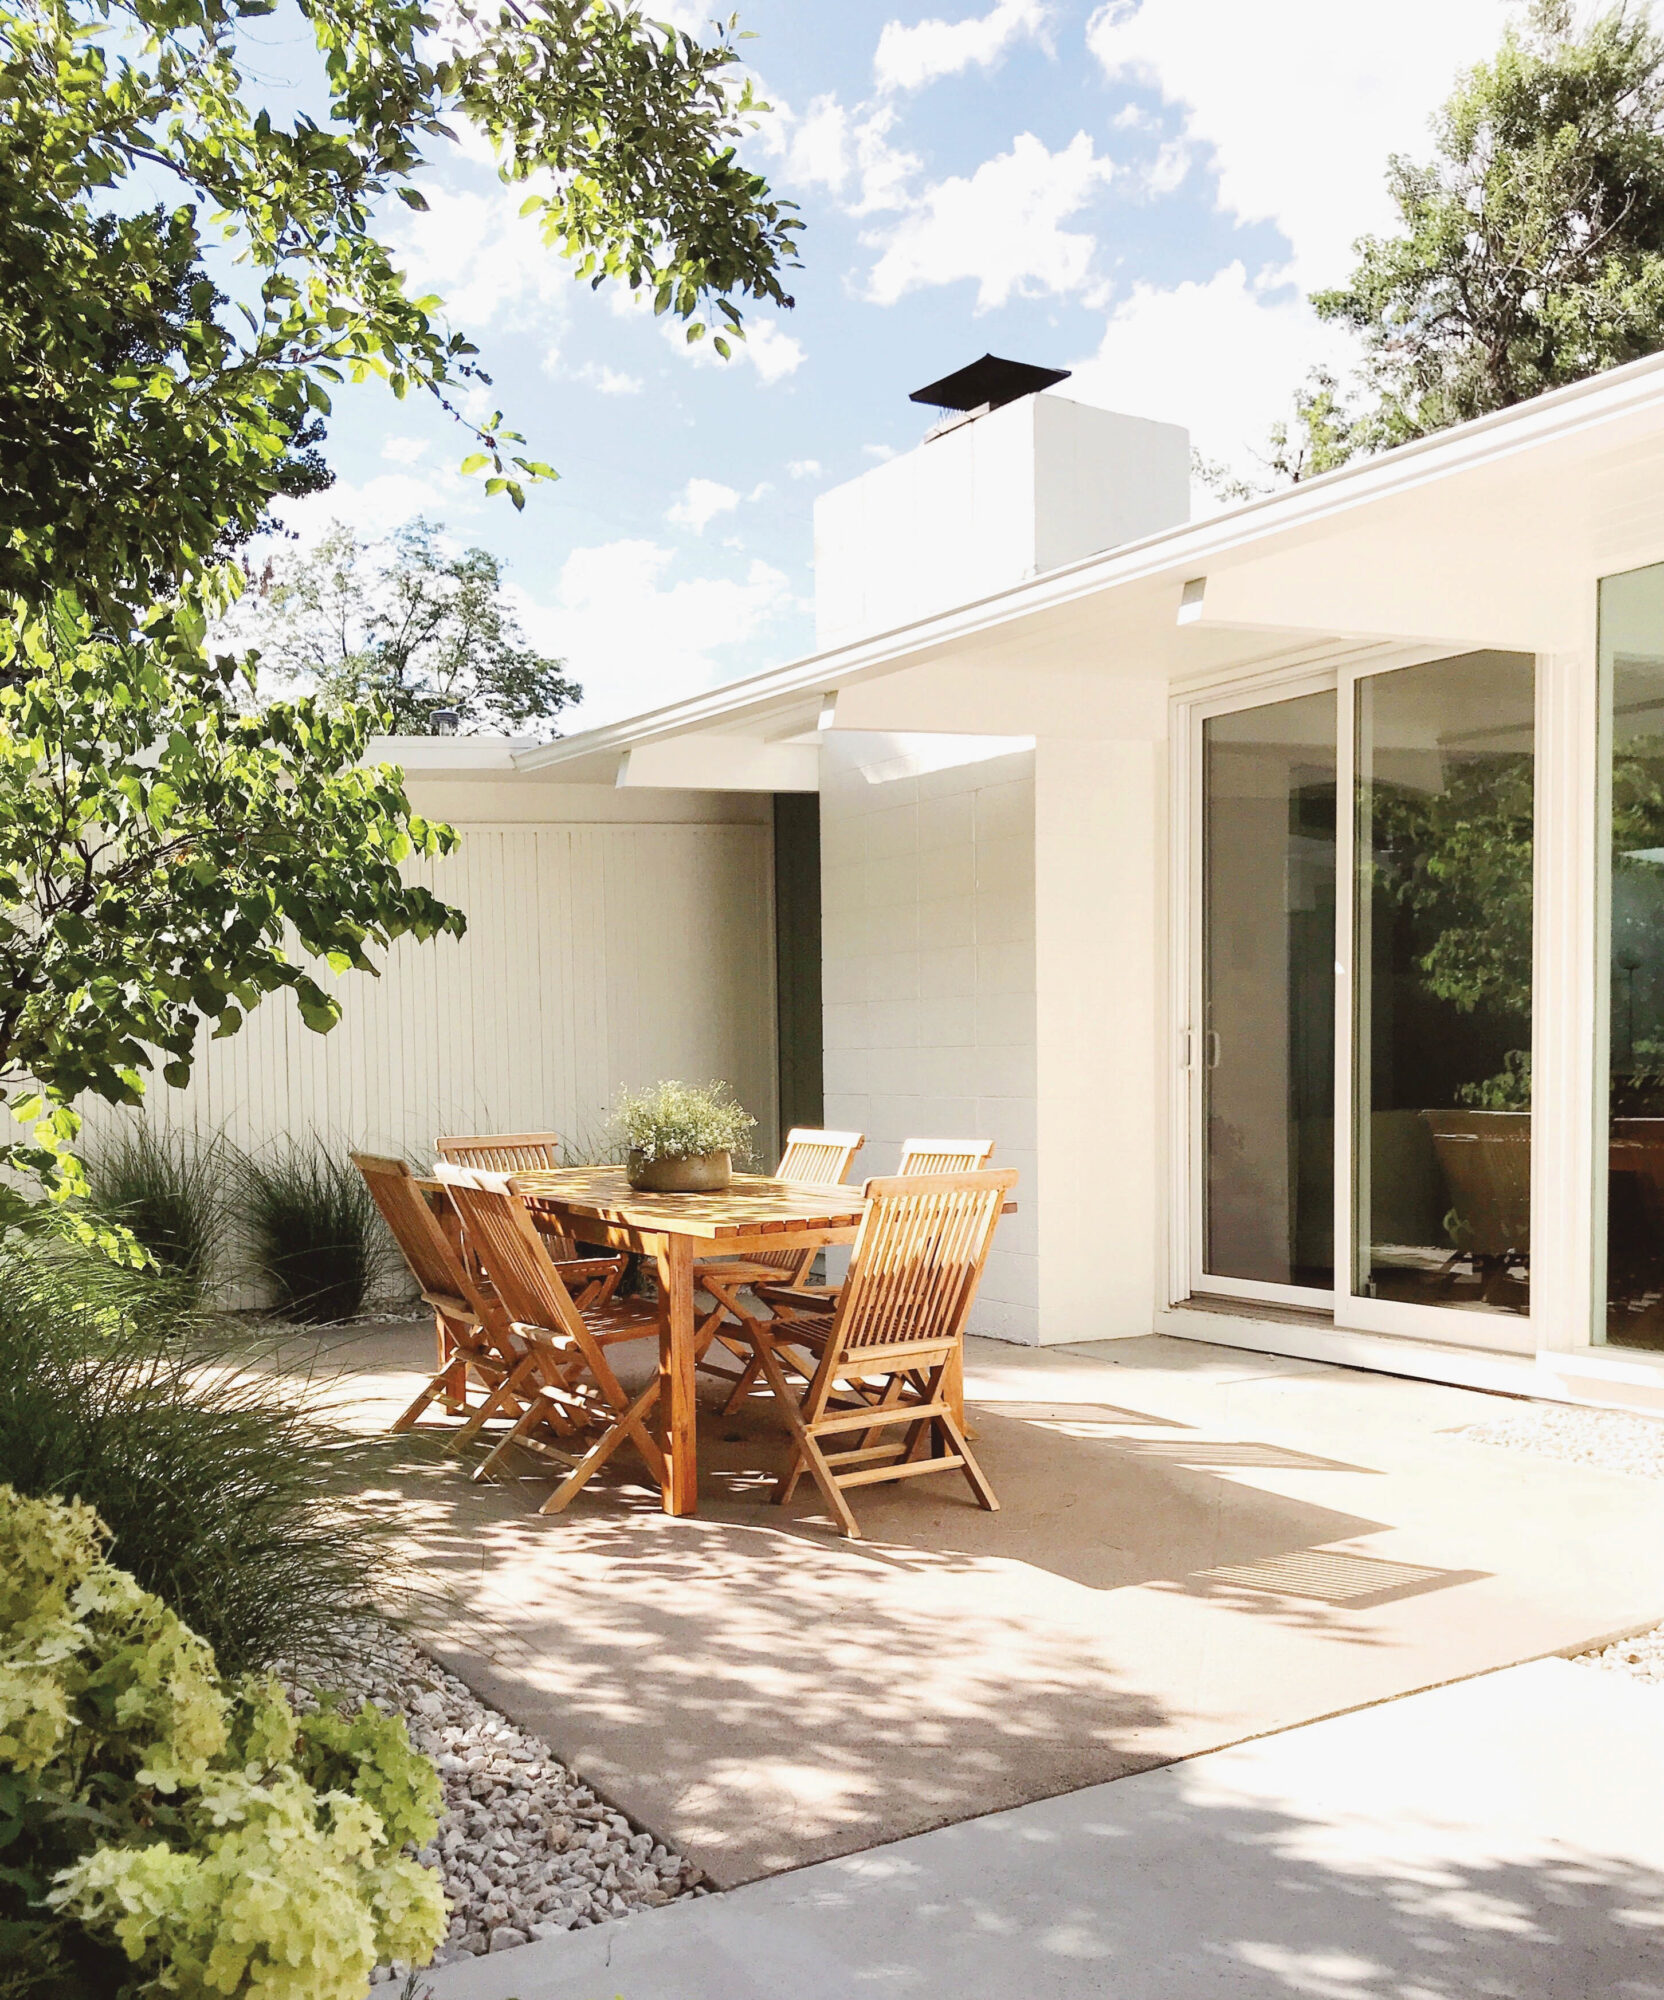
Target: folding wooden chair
(918,1156)
(476,1342)
(574,1410)
(945,1156)
(882,1354)
(819,1159)
(502,1154)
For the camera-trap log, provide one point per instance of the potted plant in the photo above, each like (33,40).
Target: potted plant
(681,1138)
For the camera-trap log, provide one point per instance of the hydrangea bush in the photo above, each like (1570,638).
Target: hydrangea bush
(164,1831)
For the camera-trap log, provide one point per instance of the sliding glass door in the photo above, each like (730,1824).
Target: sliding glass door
(1267,1061)
(1361,1006)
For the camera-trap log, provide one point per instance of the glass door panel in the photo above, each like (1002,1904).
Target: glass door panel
(1442,971)
(1632,690)
(1268,993)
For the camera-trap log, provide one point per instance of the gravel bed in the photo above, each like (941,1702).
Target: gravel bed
(524,1848)
(1616,1443)
(1606,1438)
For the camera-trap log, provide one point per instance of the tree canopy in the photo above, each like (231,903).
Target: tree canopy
(166,367)
(407,624)
(1530,247)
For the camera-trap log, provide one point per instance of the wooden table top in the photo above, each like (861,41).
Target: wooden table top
(751,1205)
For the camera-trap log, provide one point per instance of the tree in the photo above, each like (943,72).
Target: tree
(161,850)
(408,627)
(1532,248)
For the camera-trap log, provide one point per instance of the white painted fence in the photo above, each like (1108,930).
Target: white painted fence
(601,951)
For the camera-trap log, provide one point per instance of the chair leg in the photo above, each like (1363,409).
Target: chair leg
(987,1498)
(628,1425)
(808,1453)
(506,1392)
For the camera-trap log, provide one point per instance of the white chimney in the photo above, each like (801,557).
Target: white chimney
(992,498)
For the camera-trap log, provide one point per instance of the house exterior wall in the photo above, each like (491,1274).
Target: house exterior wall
(613,939)
(928,921)
(1041,482)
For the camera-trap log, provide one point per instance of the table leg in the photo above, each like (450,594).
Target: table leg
(676,1377)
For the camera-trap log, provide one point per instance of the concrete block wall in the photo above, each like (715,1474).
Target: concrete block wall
(928,922)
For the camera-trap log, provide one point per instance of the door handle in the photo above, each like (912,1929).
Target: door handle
(1213,1048)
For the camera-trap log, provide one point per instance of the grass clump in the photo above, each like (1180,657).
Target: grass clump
(314,1232)
(168,1190)
(226,1490)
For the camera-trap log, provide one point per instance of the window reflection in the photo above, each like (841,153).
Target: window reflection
(1632,678)
(1443,961)
(1269,992)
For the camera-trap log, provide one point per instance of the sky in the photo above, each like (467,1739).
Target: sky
(1143,192)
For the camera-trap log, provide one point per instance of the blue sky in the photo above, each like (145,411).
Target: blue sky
(1142,191)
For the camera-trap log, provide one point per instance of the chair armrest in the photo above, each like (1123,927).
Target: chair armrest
(816,1299)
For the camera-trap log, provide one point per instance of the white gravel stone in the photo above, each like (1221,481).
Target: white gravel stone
(1614,1442)
(525,1849)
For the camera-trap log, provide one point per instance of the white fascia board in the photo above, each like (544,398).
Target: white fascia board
(721,764)
(1184,553)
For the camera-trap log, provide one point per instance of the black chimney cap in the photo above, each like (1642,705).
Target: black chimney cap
(987,384)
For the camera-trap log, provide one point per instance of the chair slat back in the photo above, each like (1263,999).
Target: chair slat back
(502,1152)
(918,1259)
(403,1201)
(821,1159)
(945,1156)
(499,1231)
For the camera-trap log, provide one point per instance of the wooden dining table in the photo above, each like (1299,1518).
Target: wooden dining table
(598,1205)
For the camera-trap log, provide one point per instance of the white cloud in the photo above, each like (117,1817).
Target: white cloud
(403,450)
(610,381)
(379,505)
(1222,356)
(1002,227)
(910,57)
(702,500)
(484,259)
(636,640)
(774,353)
(804,468)
(849,153)
(1301,114)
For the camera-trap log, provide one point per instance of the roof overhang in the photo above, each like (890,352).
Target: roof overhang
(1489,535)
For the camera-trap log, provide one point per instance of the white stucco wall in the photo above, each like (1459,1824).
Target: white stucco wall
(614,938)
(928,914)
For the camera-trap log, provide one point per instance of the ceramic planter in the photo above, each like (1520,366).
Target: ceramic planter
(700,1173)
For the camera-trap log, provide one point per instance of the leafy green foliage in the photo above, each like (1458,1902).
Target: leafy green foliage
(1457,863)
(1531,252)
(315,1234)
(164,1830)
(167,1189)
(406,626)
(146,423)
(681,1121)
(160,855)
(226,1489)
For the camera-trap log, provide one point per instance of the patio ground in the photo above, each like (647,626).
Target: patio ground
(1197,1546)
(1405,1850)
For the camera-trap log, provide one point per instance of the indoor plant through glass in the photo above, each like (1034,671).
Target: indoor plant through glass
(682,1137)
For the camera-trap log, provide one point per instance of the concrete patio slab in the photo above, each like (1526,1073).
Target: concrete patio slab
(1501,1837)
(1197,1546)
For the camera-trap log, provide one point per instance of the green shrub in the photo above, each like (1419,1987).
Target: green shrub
(167,1189)
(314,1231)
(226,1490)
(681,1121)
(164,1830)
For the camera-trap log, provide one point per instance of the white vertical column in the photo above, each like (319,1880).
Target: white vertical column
(1101,1028)
(1567,1195)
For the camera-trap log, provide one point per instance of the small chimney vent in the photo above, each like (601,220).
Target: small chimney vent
(988,384)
